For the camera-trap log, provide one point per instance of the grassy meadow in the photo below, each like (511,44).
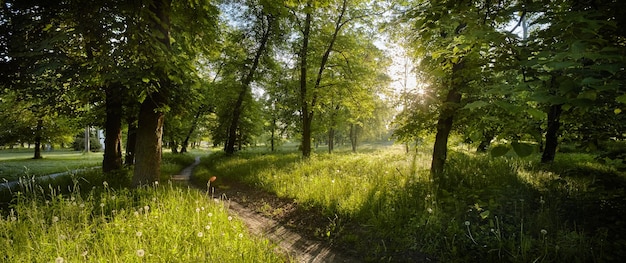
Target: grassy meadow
(19,163)
(90,217)
(381,203)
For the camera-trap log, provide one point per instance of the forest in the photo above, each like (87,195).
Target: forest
(445,130)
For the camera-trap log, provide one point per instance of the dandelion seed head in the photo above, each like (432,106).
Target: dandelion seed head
(59,260)
(154,199)
(544,232)
(101,204)
(210,214)
(202,208)
(138,233)
(84,254)
(230,218)
(146,208)
(81,205)
(72,198)
(136,213)
(197,210)
(430,210)
(207,227)
(113,197)
(240,235)
(13,219)
(55,219)
(73,203)
(467,223)
(140,252)
(200,234)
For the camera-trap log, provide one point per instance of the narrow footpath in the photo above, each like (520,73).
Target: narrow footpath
(299,247)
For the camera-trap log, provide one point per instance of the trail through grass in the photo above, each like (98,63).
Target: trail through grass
(103,223)
(382,203)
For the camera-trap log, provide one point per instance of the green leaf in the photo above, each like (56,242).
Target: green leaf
(485,214)
(537,114)
(475,105)
(145,80)
(499,150)
(588,94)
(617,111)
(621,99)
(508,106)
(522,149)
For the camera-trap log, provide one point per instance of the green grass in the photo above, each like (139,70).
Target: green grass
(88,218)
(19,163)
(383,204)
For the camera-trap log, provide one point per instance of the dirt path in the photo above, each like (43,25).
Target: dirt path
(275,223)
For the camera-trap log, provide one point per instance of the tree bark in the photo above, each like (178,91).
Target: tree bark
(150,125)
(38,131)
(113,128)
(131,140)
(444,126)
(331,140)
(552,133)
(306,115)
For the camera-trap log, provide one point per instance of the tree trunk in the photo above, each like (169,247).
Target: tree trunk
(273,138)
(131,140)
(552,133)
(113,128)
(148,145)
(306,115)
(354,136)
(444,126)
(150,126)
(38,131)
(194,125)
(87,140)
(331,140)
(238,107)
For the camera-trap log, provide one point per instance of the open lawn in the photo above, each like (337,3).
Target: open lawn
(381,204)
(19,163)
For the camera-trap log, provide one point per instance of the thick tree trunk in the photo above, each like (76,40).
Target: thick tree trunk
(306,115)
(113,128)
(150,126)
(148,146)
(552,133)
(38,131)
(131,140)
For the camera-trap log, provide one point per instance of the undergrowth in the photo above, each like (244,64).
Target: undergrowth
(384,206)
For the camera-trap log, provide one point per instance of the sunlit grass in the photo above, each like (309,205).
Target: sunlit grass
(383,204)
(152,224)
(19,163)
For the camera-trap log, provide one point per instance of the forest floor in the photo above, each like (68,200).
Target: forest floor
(290,226)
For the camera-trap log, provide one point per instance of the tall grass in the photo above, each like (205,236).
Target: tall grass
(383,204)
(84,222)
